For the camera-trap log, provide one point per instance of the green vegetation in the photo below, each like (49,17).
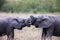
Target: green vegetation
(31,6)
(1,3)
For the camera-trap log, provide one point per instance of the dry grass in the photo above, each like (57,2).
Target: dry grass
(27,33)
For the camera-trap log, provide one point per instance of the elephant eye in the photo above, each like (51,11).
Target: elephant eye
(30,22)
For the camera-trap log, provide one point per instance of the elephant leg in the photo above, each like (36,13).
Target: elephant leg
(49,34)
(10,35)
(50,31)
(50,38)
(43,37)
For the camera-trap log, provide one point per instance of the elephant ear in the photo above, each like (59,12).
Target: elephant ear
(45,22)
(32,17)
(24,20)
(16,19)
(10,19)
(41,18)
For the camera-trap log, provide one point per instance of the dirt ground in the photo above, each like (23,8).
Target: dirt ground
(28,33)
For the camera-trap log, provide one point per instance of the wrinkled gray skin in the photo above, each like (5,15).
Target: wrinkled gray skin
(50,25)
(30,21)
(8,25)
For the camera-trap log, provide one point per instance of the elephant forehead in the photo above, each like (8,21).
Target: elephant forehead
(19,19)
(29,19)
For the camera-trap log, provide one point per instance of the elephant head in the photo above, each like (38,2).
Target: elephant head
(44,21)
(16,23)
(30,21)
(40,21)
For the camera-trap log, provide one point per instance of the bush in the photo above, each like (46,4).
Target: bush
(1,3)
(30,6)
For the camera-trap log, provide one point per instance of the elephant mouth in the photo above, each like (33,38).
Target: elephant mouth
(36,26)
(28,25)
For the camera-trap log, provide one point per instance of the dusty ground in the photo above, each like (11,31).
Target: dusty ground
(27,33)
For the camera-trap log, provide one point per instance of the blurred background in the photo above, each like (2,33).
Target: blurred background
(34,6)
(25,8)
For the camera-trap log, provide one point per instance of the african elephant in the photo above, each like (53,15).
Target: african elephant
(50,25)
(8,25)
